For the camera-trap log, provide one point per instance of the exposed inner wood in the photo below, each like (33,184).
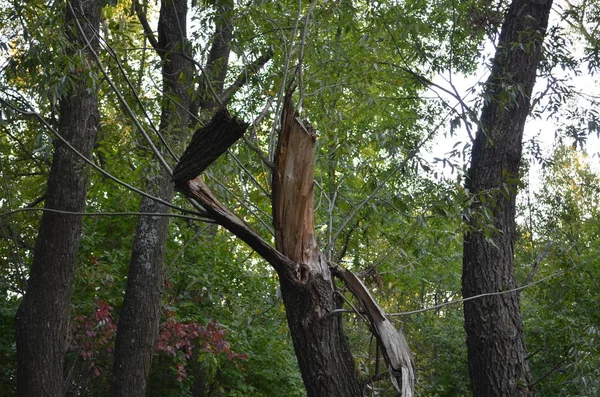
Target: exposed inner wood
(293,190)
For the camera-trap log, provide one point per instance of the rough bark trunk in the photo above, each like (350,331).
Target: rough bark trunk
(140,314)
(324,357)
(495,338)
(42,320)
(218,56)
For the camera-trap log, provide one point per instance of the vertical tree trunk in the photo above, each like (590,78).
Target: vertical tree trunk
(495,338)
(42,320)
(218,56)
(140,314)
(139,318)
(321,347)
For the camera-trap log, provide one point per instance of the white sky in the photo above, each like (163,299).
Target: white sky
(543,129)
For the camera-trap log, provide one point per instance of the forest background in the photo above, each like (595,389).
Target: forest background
(377,82)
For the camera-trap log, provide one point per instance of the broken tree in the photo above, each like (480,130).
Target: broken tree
(306,279)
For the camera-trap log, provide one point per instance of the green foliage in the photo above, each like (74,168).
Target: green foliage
(366,70)
(561,316)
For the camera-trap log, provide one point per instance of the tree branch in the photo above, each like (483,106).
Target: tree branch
(393,344)
(197,190)
(243,77)
(536,263)
(146,26)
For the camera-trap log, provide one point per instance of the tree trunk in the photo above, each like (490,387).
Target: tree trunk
(140,314)
(141,311)
(324,357)
(495,339)
(307,287)
(42,320)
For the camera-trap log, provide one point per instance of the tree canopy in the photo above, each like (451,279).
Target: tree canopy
(376,85)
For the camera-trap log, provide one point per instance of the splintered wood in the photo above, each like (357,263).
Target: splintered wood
(293,189)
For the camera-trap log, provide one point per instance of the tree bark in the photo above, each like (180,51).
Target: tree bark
(140,314)
(141,311)
(495,339)
(324,357)
(42,320)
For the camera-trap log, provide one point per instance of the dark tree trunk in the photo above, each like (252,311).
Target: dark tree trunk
(218,57)
(42,320)
(495,338)
(324,357)
(140,314)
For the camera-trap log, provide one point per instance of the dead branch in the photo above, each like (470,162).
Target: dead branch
(393,344)
(208,144)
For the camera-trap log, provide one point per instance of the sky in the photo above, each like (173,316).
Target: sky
(542,129)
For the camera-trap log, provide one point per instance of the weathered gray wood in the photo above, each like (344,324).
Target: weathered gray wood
(392,342)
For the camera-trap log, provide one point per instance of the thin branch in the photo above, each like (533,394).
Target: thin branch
(301,55)
(537,262)
(223,216)
(255,123)
(36,201)
(185,246)
(247,172)
(551,371)
(242,202)
(354,309)
(243,77)
(454,302)
(113,55)
(130,112)
(146,26)
(120,96)
(411,154)
(259,152)
(284,88)
(126,213)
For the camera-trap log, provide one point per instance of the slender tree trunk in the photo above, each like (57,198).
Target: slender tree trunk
(141,311)
(140,314)
(495,339)
(42,320)
(218,56)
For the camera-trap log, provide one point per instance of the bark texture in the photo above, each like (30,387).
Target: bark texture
(218,57)
(495,339)
(42,320)
(142,305)
(324,357)
(207,145)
